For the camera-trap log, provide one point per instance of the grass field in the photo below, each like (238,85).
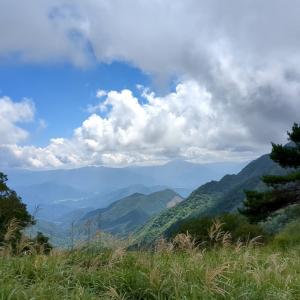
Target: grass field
(225,272)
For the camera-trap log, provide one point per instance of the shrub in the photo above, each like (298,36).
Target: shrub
(289,236)
(238,227)
(42,244)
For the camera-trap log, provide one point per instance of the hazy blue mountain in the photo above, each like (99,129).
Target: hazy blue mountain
(69,218)
(54,208)
(59,236)
(49,192)
(77,209)
(176,174)
(88,179)
(102,200)
(183,174)
(63,192)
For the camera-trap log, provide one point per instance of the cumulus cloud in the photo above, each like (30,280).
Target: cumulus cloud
(189,123)
(11,115)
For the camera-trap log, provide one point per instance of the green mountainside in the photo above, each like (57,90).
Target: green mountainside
(126,214)
(209,199)
(157,225)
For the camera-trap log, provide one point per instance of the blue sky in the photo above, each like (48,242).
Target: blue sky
(192,80)
(62,92)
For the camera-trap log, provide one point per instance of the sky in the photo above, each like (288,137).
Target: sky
(117,83)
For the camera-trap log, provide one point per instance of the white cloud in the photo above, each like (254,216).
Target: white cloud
(11,115)
(189,123)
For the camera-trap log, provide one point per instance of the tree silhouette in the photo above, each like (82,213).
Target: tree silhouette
(12,210)
(283,190)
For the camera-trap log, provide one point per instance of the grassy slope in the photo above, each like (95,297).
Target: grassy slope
(212,198)
(230,273)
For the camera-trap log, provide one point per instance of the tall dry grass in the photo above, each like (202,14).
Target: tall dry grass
(180,269)
(15,243)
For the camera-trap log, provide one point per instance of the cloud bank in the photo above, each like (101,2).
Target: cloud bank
(161,37)
(237,64)
(189,123)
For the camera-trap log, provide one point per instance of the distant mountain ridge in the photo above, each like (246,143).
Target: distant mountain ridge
(178,174)
(67,192)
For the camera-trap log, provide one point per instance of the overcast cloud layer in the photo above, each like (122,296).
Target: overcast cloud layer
(237,64)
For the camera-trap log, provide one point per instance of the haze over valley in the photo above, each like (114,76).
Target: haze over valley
(64,197)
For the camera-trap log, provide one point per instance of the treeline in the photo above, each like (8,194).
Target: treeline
(14,218)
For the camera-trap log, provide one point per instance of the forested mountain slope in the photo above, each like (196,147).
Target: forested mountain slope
(211,198)
(123,216)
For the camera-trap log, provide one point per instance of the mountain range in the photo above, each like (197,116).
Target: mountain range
(212,198)
(136,201)
(59,194)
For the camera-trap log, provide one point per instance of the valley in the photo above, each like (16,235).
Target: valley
(65,200)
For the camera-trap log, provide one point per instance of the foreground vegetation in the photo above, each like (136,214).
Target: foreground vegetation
(177,270)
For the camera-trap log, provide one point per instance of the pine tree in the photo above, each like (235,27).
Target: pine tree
(283,190)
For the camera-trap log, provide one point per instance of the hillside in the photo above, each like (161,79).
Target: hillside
(209,199)
(123,216)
